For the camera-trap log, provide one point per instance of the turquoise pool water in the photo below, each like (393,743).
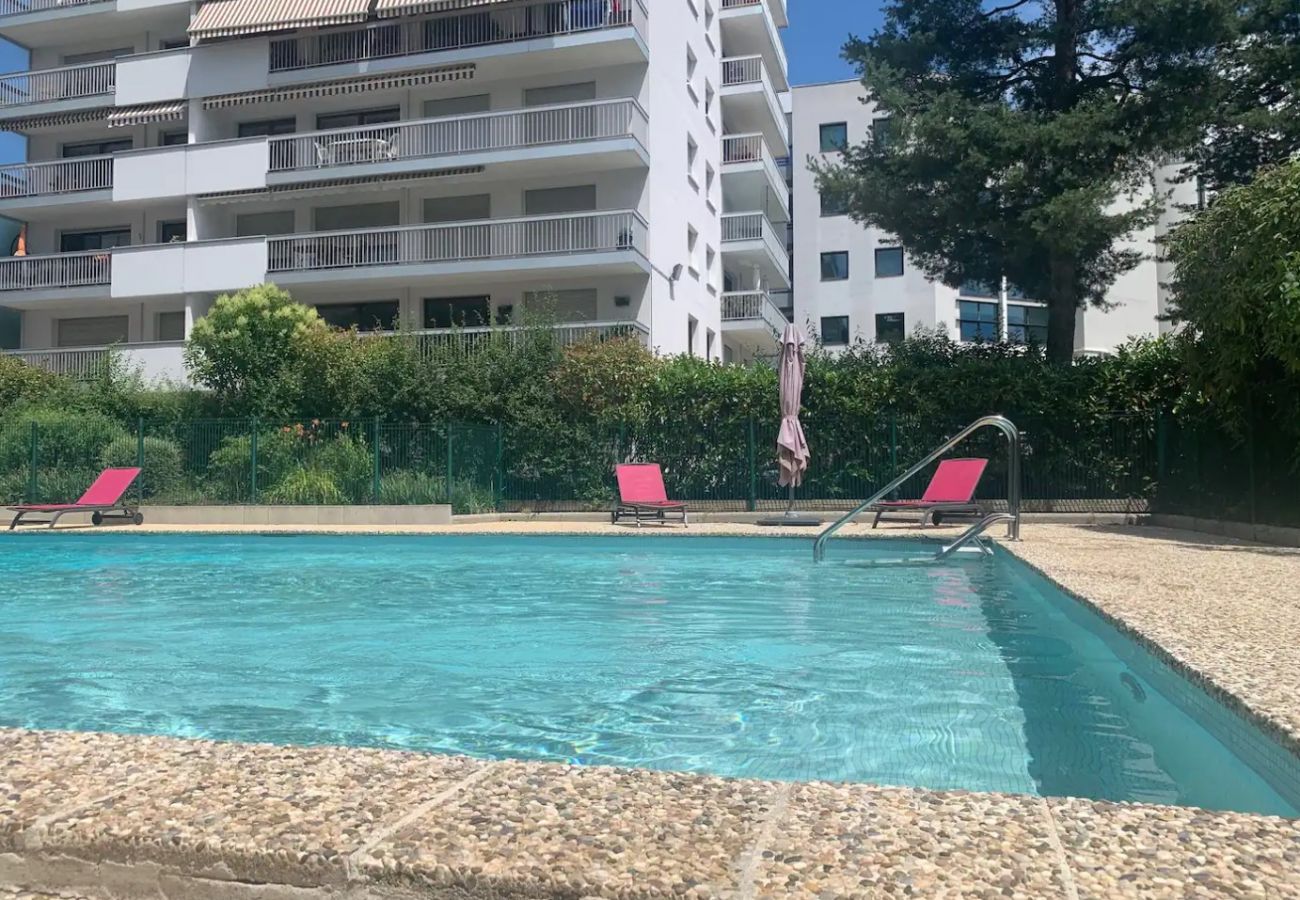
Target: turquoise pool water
(731,656)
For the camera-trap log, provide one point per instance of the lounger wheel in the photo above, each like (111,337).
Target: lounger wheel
(137,519)
(937,519)
(97,518)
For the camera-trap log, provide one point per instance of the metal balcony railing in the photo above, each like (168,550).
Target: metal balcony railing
(449,136)
(565,334)
(489,239)
(64,176)
(454,31)
(64,270)
(19,7)
(66,83)
(755,226)
(743,70)
(739,306)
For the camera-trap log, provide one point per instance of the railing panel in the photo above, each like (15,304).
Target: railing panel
(66,270)
(59,177)
(742,227)
(68,83)
(742,70)
(456,135)
(451,32)
(19,7)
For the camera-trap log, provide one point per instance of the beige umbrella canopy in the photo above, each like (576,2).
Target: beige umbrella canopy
(791,447)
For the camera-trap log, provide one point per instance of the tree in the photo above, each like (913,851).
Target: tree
(1023,138)
(247,343)
(1237,288)
(1256,122)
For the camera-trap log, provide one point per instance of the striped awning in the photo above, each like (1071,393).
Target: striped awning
(55,120)
(226,18)
(171,111)
(344,86)
(387,9)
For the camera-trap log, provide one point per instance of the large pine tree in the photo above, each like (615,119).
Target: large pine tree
(1018,131)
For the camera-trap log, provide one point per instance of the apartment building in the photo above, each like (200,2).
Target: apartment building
(854,283)
(608,166)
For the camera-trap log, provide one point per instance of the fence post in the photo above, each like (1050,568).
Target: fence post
(499,499)
(252,446)
(139,458)
(375,484)
(449,462)
(32,486)
(753,466)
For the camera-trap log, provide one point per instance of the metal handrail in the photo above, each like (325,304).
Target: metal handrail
(1001,423)
(972,534)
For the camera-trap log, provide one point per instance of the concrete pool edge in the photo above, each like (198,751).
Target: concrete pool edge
(197,819)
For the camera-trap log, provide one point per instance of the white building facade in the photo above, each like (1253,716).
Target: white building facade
(602,163)
(854,283)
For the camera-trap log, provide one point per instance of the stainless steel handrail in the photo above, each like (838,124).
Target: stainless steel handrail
(973,534)
(1001,423)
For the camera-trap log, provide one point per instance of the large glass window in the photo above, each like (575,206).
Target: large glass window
(457,312)
(268,127)
(1027,325)
(457,106)
(977,321)
(268,223)
(882,130)
(835,266)
(96,148)
(458,209)
(171,326)
(834,137)
(356,215)
(889,262)
(373,315)
(91,331)
(556,201)
(172,232)
(834,205)
(889,328)
(77,241)
(560,93)
(835,330)
(358,118)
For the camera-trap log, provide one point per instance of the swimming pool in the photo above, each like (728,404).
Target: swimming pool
(731,656)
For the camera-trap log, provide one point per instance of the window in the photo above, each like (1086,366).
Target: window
(92,331)
(268,127)
(889,262)
(268,223)
(80,59)
(977,321)
(692,250)
(505,314)
(77,241)
(834,205)
(709,337)
(373,315)
(977,289)
(835,330)
(11,329)
(889,328)
(358,118)
(457,312)
(457,106)
(556,201)
(560,93)
(835,266)
(834,137)
(692,326)
(357,215)
(692,153)
(173,138)
(179,43)
(881,131)
(96,148)
(171,232)
(171,326)
(579,305)
(458,209)
(1027,325)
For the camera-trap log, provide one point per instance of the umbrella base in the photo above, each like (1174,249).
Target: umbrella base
(793,520)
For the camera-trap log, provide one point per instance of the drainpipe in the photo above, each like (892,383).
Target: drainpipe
(1002,311)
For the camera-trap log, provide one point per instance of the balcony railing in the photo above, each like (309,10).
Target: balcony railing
(85,363)
(19,7)
(753,305)
(743,70)
(564,334)
(752,148)
(453,32)
(425,138)
(67,83)
(64,270)
(490,239)
(64,176)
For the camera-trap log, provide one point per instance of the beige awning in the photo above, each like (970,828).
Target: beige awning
(55,120)
(390,8)
(225,18)
(344,86)
(171,111)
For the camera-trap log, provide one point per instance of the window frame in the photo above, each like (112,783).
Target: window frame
(831,147)
(902,262)
(846,331)
(980,323)
(830,255)
(887,319)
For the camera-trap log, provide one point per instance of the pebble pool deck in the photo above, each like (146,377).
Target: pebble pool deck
(107,816)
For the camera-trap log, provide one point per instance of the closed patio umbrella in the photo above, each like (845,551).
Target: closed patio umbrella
(791,447)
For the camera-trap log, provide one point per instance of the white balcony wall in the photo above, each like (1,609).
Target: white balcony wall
(206,267)
(229,67)
(153,77)
(181,6)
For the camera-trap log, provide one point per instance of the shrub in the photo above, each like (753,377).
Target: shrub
(306,487)
(64,439)
(407,488)
(230,467)
(162,463)
(21,383)
(348,462)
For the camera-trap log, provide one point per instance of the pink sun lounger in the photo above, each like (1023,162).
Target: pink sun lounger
(950,491)
(103,500)
(641,495)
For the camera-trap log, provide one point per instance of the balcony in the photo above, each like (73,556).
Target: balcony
(751,178)
(565,334)
(749,241)
(749,310)
(572,129)
(750,102)
(60,272)
(615,241)
(32,185)
(514,25)
(753,26)
(69,88)
(155,361)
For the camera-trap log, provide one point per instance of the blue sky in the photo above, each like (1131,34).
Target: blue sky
(818,29)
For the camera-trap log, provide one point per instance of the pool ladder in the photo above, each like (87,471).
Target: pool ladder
(971,540)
